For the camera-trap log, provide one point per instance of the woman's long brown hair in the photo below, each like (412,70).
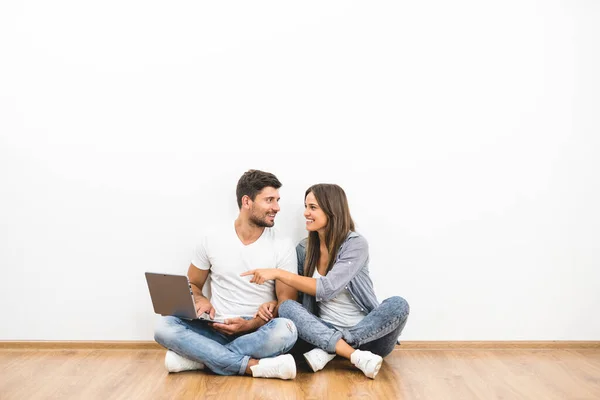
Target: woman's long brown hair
(332,200)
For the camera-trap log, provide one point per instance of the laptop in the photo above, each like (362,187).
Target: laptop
(172,295)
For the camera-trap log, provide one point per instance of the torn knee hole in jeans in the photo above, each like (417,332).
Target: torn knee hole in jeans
(291,326)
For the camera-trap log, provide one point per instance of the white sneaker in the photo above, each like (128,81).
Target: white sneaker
(317,358)
(367,362)
(176,363)
(282,367)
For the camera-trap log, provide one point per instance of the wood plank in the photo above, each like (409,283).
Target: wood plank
(483,344)
(60,344)
(408,345)
(96,373)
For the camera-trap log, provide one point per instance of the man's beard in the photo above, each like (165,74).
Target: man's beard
(260,222)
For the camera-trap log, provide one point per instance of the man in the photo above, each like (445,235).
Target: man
(245,343)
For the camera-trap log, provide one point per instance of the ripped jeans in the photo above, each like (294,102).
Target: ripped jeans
(224,354)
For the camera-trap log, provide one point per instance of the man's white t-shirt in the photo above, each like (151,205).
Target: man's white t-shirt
(227,257)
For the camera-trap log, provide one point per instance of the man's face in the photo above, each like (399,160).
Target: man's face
(264,207)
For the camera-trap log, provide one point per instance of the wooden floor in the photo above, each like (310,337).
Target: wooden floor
(540,374)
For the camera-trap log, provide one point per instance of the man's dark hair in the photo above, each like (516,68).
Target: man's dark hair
(252,182)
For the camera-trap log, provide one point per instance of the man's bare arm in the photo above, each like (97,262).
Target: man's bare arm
(284,292)
(197,278)
(269,310)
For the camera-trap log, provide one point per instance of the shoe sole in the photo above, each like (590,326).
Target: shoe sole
(310,364)
(377,368)
(293,363)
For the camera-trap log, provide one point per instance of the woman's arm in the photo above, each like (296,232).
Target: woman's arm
(350,261)
(301,283)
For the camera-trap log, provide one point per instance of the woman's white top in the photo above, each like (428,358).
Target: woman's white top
(341,311)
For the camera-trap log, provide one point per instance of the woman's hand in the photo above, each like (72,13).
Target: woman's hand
(260,276)
(265,311)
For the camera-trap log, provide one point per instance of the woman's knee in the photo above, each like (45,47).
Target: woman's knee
(288,309)
(399,306)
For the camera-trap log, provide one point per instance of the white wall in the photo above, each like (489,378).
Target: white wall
(466,135)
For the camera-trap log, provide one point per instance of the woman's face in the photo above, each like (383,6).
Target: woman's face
(316,220)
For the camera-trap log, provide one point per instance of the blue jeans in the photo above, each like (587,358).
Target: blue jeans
(224,354)
(377,332)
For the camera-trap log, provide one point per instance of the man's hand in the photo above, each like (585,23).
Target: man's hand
(265,311)
(233,326)
(204,306)
(259,276)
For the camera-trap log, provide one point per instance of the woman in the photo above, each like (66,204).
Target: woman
(340,313)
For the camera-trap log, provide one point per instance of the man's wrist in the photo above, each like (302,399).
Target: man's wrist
(203,305)
(256,323)
(201,299)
